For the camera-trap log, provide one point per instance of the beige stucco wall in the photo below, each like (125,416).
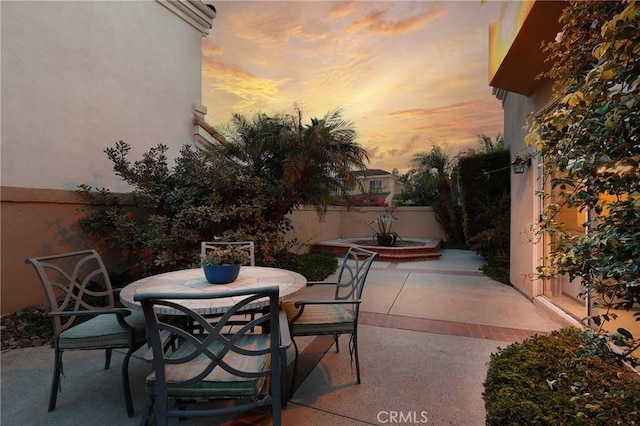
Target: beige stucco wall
(338,222)
(37,222)
(525,253)
(34,222)
(79,76)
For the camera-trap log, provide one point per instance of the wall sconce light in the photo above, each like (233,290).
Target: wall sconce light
(519,164)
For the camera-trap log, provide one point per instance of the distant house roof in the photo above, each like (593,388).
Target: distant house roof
(371,172)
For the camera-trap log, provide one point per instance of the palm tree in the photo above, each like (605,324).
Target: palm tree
(304,164)
(438,164)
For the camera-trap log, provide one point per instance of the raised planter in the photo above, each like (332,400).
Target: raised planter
(404,250)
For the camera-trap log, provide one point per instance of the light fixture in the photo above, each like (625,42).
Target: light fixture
(519,164)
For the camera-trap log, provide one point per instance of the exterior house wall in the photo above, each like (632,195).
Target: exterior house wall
(524,202)
(79,76)
(76,78)
(516,59)
(390,184)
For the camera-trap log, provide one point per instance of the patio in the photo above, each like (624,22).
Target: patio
(426,332)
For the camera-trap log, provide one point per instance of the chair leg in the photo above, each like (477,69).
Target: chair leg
(276,412)
(55,383)
(147,417)
(126,388)
(159,413)
(295,369)
(355,353)
(335,339)
(107,359)
(283,377)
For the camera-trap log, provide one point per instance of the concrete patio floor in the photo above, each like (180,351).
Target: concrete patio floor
(427,331)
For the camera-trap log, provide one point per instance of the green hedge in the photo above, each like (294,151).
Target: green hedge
(314,266)
(483,180)
(541,381)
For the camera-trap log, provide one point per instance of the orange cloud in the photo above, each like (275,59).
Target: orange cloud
(454,127)
(342,9)
(211,49)
(232,79)
(376,22)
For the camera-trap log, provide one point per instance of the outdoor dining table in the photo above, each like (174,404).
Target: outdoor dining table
(190,281)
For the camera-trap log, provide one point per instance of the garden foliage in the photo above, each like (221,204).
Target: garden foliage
(541,381)
(483,179)
(589,138)
(239,189)
(174,209)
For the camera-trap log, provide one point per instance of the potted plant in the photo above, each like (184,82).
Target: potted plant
(222,265)
(385,236)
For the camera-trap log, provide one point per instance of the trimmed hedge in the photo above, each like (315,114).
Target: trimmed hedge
(541,381)
(314,266)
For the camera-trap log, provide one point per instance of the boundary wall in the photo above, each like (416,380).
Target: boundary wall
(39,222)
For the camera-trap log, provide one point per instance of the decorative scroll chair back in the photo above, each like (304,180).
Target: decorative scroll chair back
(213,361)
(353,274)
(83,308)
(333,317)
(75,281)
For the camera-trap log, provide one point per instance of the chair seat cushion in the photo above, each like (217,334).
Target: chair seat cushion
(320,319)
(103,331)
(219,383)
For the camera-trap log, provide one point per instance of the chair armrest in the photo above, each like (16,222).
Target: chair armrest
(326,302)
(117,311)
(120,313)
(285,333)
(300,305)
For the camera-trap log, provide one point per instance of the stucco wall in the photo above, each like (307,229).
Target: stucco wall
(79,76)
(524,202)
(339,222)
(34,223)
(38,222)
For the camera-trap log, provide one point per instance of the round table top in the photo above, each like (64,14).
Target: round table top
(191,281)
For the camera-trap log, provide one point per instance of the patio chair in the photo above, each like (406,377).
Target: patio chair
(333,317)
(209,365)
(249,246)
(84,313)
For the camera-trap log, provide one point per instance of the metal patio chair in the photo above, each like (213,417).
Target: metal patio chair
(337,316)
(84,313)
(209,364)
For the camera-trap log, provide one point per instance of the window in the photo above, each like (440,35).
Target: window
(375,185)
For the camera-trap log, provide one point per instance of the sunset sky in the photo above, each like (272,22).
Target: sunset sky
(408,74)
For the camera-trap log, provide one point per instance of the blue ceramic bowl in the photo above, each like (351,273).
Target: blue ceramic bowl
(221,274)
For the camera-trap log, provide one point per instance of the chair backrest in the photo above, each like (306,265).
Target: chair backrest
(248,246)
(210,352)
(353,273)
(76,281)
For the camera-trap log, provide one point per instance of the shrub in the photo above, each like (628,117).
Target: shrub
(314,266)
(202,196)
(541,381)
(485,195)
